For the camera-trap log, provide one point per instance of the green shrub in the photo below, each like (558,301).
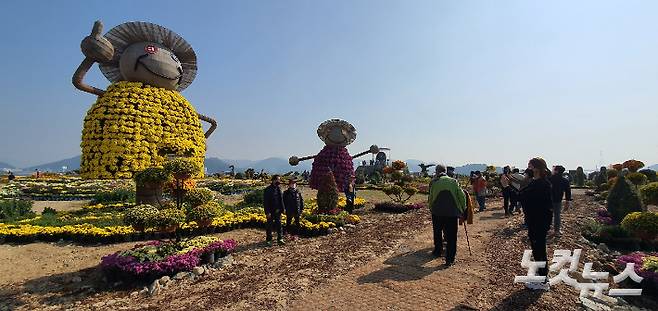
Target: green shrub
(580,177)
(603,187)
(199,196)
(169,217)
(623,199)
(592,227)
(338,219)
(254,197)
(151,175)
(601,177)
(15,209)
(327,196)
(49,211)
(651,174)
(182,167)
(650,193)
(114,196)
(140,216)
(394,190)
(602,196)
(613,231)
(636,178)
(612,173)
(641,224)
(203,212)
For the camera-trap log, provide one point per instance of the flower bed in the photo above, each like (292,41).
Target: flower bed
(105,225)
(646,266)
(231,186)
(59,189)
(149,261)
(391,207)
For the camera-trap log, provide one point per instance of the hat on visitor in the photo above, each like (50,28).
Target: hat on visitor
(126,34)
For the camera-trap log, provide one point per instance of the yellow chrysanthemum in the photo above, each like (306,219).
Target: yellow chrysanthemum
(134,126)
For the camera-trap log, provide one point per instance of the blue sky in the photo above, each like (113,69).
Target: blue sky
(457,82)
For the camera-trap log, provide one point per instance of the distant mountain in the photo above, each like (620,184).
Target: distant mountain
(271,165)
(468,168)
(216,165)
(412,164)
(57,166)
(6,166)
(654,167)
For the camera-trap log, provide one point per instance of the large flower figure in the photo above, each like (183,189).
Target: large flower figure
(141,118)
(334,157)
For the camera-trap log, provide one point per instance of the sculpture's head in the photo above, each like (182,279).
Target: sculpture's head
(151,54)
(336,132)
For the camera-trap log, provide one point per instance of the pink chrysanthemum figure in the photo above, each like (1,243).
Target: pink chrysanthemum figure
(334,157)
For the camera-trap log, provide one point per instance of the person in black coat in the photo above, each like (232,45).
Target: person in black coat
(561,190)
(274,206)
(294,203)
(537,201)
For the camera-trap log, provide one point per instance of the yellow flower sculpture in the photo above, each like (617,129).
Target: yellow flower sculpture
(135,126)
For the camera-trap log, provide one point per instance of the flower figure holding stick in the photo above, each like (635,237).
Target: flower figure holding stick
(334,158)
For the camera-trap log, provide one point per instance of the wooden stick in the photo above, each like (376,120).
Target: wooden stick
(213,123)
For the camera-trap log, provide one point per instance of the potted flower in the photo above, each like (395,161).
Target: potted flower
(140,216)
(199,196)
(149,184)
(203,214)
(182,168)
(169,219)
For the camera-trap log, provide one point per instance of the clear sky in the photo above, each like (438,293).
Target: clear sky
(494,82)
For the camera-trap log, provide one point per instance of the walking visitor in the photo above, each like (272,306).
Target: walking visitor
(447,204)
(537,202)
(506,189)
(561,190)
(480,190)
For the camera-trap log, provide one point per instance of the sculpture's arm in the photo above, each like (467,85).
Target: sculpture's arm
(96,48)
(79,75)
(213,123)
(295,160)
(373,149)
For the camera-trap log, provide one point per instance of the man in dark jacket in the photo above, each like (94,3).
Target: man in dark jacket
(447,204)
(560,188)
(273,203)
(294,203)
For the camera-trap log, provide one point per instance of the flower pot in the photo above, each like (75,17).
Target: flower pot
(209,257)
(168,229)
(139,228)
(204,223)
(149,193)
(182,176)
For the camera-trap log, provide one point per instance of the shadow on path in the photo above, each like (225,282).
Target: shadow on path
(519,300)
(403,267)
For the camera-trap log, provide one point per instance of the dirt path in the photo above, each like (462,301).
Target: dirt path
(411,278)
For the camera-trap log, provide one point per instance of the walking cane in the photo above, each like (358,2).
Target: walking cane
(467,241)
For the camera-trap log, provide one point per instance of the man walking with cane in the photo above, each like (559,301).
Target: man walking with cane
(447,204)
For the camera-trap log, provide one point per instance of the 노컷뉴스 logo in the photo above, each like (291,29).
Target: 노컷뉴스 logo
(596,279)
